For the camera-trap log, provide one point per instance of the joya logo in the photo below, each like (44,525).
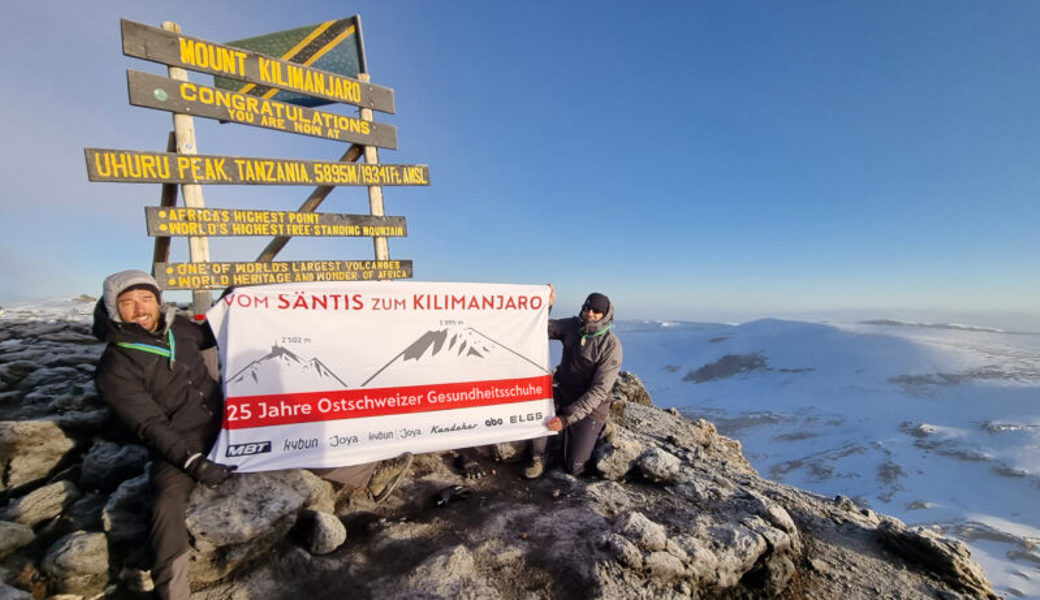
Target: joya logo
(247,449)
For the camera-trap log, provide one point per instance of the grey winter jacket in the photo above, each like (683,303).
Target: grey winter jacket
(588,369)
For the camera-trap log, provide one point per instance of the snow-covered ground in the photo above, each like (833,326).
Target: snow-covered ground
(934,424)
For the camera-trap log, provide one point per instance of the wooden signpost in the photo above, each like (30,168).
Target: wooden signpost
(271,82)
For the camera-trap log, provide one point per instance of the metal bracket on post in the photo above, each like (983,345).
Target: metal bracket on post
(184,132)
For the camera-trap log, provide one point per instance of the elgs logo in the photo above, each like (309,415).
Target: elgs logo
(247,449)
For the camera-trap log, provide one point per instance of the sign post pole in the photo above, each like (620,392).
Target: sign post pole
(184,131)
(161,254)
(375,192)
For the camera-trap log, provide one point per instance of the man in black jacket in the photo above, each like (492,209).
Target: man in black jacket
(153,376)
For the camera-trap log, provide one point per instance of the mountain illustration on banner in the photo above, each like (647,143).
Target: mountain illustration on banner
(281,369)
(462,353)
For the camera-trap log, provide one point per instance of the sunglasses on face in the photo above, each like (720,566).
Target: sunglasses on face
(586,307)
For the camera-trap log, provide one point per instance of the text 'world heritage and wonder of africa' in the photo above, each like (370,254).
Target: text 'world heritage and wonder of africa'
(220,275)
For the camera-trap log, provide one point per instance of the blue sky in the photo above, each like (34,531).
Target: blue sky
(712,160)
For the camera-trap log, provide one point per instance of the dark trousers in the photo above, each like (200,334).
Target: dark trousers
(171,489)
(578,440)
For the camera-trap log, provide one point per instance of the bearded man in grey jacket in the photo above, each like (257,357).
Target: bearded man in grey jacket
(581,385)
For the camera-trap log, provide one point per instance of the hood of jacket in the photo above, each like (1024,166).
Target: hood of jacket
(107,329)
(594,327)
(117,283)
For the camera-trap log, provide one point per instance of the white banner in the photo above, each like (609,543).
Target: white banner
(334,374)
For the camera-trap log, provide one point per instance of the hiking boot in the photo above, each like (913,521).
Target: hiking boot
(388,475)
(609,433)
(536,468)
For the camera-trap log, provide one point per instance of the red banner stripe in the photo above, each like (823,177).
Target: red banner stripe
(241,412)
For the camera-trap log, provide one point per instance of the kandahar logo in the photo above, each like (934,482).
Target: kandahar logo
(249,449)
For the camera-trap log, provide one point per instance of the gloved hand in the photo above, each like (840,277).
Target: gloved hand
(471,469)
(208,472)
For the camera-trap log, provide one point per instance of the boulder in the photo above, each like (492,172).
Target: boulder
(248,515)
(12,593)
(13,536)
(107,465)
(126,514)
(42,503)
(629,388)
(327,531)
(950,560)
(30,450)
(78,564)
(659,466)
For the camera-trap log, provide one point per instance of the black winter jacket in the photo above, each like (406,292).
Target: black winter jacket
(175,409)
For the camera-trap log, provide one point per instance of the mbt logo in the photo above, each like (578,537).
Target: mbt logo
(248,449)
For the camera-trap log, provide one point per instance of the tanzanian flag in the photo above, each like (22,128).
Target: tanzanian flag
(334,46)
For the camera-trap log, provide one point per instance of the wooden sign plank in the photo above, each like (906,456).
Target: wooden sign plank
(131,166)
(157,45)
(221,275)
(227,222)
(185,97)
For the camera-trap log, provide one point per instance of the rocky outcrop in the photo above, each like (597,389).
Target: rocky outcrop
(672,510)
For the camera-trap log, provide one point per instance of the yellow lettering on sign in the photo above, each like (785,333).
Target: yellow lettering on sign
(127,165)
(202,168)
(271,171)
(208,56)
(276,115)
(383,230)
(336,276)
(205,215)
(310,218)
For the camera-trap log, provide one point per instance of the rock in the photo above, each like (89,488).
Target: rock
(30,450)
(78,564)
(327,532)
(703,563)
(630,388)
(12,593)
(13,536)
(248,515)
(643,532)
(85,513)
(615,461)
(659,466)
(107,465)
(950,560)
(449,573)
(127,513)
(42,504)
(625,551)
(665,567)
(737,549)
(12,373)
